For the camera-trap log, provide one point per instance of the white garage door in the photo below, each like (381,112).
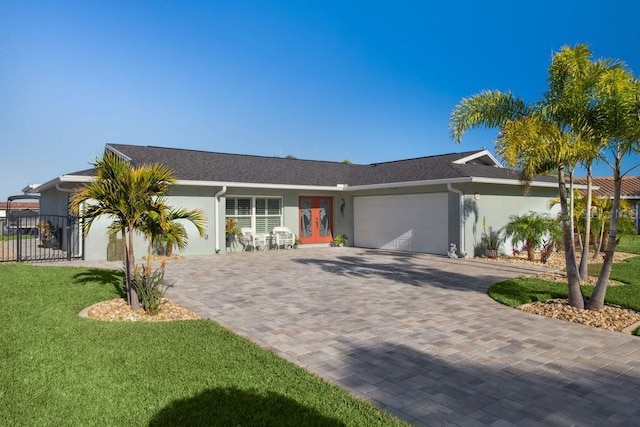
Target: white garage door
(415,223)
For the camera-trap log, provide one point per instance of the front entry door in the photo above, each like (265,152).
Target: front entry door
(316,225)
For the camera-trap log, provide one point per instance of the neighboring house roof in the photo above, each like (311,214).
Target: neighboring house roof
(20,205)
(196,167)
(630,186)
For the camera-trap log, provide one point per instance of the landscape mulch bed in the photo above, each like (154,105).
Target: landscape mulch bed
(610,317)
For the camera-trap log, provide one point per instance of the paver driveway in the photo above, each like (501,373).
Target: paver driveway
(417,336)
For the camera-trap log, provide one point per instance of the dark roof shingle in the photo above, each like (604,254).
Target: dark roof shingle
(197,165)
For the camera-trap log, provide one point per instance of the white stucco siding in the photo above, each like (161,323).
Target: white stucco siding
(411,222)
(197,245)
(484,207)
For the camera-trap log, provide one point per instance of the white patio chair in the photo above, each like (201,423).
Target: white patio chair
(283,237)
(250,239)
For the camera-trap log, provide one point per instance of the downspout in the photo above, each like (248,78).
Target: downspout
(216,215)
(461,249)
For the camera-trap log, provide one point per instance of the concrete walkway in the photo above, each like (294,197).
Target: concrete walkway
(418,336)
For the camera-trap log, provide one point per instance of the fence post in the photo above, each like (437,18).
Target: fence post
(18,240)
(68,238)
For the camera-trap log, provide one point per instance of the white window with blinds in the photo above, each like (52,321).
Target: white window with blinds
(259,213)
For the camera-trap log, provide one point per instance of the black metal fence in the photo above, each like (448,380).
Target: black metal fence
(29,236)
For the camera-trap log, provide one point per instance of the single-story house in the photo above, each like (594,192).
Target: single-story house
(630,191)
(418,205)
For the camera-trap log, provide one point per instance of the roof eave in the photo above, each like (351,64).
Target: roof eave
(109,147)
(483,180)
(386,185)
(74,179)
(477,155)
(338,187)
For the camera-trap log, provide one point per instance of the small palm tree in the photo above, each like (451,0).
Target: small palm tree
(163,226)
(530,229)
(125,193)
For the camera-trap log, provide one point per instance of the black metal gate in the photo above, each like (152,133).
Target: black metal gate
(29,236)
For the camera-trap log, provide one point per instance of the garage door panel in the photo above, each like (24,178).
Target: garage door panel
(416,223)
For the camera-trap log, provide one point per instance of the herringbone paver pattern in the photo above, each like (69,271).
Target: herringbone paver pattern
(418,336)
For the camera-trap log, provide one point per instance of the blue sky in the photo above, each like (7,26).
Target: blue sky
(366,81)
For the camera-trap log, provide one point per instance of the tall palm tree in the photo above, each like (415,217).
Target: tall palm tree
(539,144)
(124,193)
(616,119)
(558,132)
(530,140)
(576,79)
(530,229)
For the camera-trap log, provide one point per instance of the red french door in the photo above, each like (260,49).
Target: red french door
(316,224)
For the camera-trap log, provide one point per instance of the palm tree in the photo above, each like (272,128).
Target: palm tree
(530,229)
(124,193)
(532,141)
(576,82)
(163,226)
(616,120)
(556,133)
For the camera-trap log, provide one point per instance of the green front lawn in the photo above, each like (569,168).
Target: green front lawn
(629,244)
(515,292)
(59,369)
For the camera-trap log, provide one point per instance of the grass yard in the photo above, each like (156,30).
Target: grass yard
(515,292)
(59,369)
(629,244)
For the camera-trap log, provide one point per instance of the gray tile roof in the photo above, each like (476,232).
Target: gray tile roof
(197,165)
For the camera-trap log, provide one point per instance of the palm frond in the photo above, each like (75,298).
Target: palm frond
(489,109)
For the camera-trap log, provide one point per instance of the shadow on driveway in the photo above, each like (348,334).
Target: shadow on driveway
(420,270)
(434,391)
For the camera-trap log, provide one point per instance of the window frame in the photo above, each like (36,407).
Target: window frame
(254,215)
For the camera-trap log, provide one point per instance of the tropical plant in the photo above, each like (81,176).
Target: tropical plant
(124,193)
(164,230)
(491,240)
(231,227)
(340,240)
(151,287)
(531,229)
(551,134)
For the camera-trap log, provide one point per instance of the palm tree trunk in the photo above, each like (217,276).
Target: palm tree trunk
(572,224)
(576,298)
(531,251)
(596,302)
(125,254)
(584,257)
(131,265)
(598,248)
